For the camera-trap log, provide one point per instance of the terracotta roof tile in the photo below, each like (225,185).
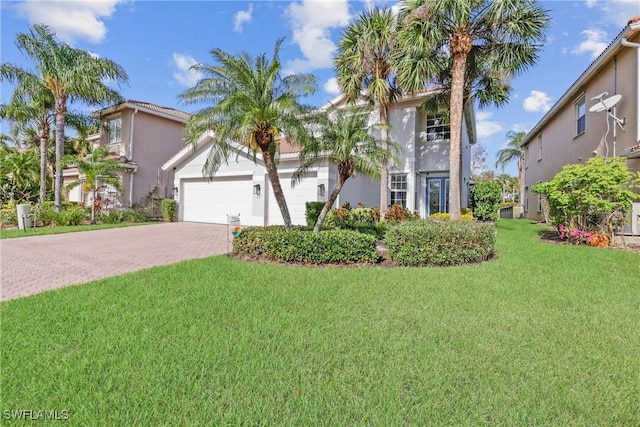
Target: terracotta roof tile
(165,110)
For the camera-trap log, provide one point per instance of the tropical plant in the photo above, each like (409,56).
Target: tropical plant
(594,196)
(511,152)
(347,142)
(254,108)
(472,47)
(18,174)
(69,74)
(96,171)
(364,70)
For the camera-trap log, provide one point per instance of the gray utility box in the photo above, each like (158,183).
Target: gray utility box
(24,216)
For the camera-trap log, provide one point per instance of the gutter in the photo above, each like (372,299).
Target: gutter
(133,118)
(627,43)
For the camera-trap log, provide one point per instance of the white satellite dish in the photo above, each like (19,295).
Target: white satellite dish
(605,104)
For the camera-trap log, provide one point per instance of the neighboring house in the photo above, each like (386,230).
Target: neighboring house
(420,183)
(576,128)
(142,136)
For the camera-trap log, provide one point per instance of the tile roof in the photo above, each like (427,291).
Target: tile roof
(166,110)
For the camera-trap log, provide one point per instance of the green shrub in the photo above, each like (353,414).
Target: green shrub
(429,243)
(331,246)
(135,215)
(593,196)
(251,240)
(485,198)
(8,214)
(72,216)
(312,212)
(48,216)
(169,210)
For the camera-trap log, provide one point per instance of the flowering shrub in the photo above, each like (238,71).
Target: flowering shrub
(599,240)
(398,213)
(574,235)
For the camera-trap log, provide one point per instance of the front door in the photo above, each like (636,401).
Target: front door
(437,195)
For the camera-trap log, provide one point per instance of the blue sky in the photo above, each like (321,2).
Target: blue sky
(157,41)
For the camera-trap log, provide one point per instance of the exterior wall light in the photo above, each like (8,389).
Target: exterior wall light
(321,190)
(256,190)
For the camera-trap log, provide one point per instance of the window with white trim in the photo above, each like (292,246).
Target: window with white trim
(437,128)
(539,147)
(399,189)
(115,130)
(581,116)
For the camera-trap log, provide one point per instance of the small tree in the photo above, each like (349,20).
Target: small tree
(98,170)
(593,196)
(486,198)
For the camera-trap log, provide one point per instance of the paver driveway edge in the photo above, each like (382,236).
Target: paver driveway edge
(29,265)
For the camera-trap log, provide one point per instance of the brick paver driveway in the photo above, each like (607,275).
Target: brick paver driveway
(34,264)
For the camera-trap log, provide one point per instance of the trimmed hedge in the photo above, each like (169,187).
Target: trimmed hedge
(169,210)
(304,246)
(312,212)
(446,243)
(486,197)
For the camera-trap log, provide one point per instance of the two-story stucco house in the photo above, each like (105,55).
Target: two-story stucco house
(580,125)
(142,136)
(420,183)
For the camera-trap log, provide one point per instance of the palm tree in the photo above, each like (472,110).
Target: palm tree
(69,74)
(254,106)
(19,172)
(364,69)
(347,142)
(98,170)
(37,113)
(498,38)
(511,152)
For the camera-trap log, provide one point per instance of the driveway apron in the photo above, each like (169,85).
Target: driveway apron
(30,265)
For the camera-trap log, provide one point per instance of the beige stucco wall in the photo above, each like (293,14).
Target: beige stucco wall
(561,145)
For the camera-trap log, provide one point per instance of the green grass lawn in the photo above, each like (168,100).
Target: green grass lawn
(39,231)
(547,334)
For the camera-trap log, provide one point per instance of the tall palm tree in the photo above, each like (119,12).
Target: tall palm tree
(37,113)
(502,37)
(97,170)
(253,105)
(364,70)
(511,152)
(347,142)
(69,74)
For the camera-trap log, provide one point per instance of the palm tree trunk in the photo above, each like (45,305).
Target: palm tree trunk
(384,171)
(44,147)
(61,110)
(93,203)
(456,106)
(272,173)
(330,201)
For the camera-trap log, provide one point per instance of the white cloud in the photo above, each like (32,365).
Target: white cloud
(242,17)
(71,20)
(183,73)
(486,127)
(537,101)
(595,43)
(312,21)
(617,12)
(332,87)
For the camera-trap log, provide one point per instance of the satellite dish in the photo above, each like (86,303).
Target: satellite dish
(605,104)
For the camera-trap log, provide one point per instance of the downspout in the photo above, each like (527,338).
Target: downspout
(133,118)
(627,43)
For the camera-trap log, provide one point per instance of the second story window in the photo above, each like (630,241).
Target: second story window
(115,130)
(540,147)
(581,116)
(437,128)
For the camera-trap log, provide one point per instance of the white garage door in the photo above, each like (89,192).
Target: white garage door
(305,191)
(211,201)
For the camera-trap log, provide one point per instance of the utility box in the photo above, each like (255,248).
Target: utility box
(24,216)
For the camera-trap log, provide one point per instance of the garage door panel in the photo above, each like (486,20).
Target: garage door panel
(296,199)
(211,201)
